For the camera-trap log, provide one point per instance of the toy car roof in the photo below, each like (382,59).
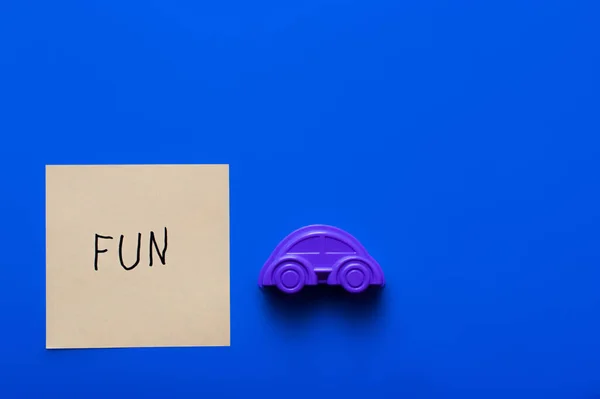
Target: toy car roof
(318,230)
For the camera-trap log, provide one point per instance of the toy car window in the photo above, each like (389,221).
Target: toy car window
(335,245)
(308,245)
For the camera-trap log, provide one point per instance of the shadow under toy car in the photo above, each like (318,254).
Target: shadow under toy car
(320,254)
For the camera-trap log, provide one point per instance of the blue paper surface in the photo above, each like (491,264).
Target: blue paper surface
(457,140)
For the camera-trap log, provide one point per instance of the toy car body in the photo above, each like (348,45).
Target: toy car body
(320,254)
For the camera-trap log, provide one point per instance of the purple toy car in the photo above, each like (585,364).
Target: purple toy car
(320,254)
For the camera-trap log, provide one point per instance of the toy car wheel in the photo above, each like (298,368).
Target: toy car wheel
(355,276)
(289,277)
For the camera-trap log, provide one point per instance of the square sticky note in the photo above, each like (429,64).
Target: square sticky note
(137,255)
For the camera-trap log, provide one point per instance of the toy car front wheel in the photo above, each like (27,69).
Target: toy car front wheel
(289,277)
(355,276)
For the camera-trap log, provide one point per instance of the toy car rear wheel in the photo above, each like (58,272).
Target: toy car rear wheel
(355,276)
(289,277)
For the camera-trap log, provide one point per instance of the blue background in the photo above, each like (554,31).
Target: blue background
(458,140)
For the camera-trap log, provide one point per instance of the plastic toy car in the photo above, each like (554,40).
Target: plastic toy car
(320,254)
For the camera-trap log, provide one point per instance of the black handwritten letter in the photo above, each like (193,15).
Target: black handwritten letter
(163,257)
(99,251)
(138,252)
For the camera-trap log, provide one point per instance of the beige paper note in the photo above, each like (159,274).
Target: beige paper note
(137,255)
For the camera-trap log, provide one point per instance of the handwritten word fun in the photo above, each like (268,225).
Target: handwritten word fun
(152,247)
